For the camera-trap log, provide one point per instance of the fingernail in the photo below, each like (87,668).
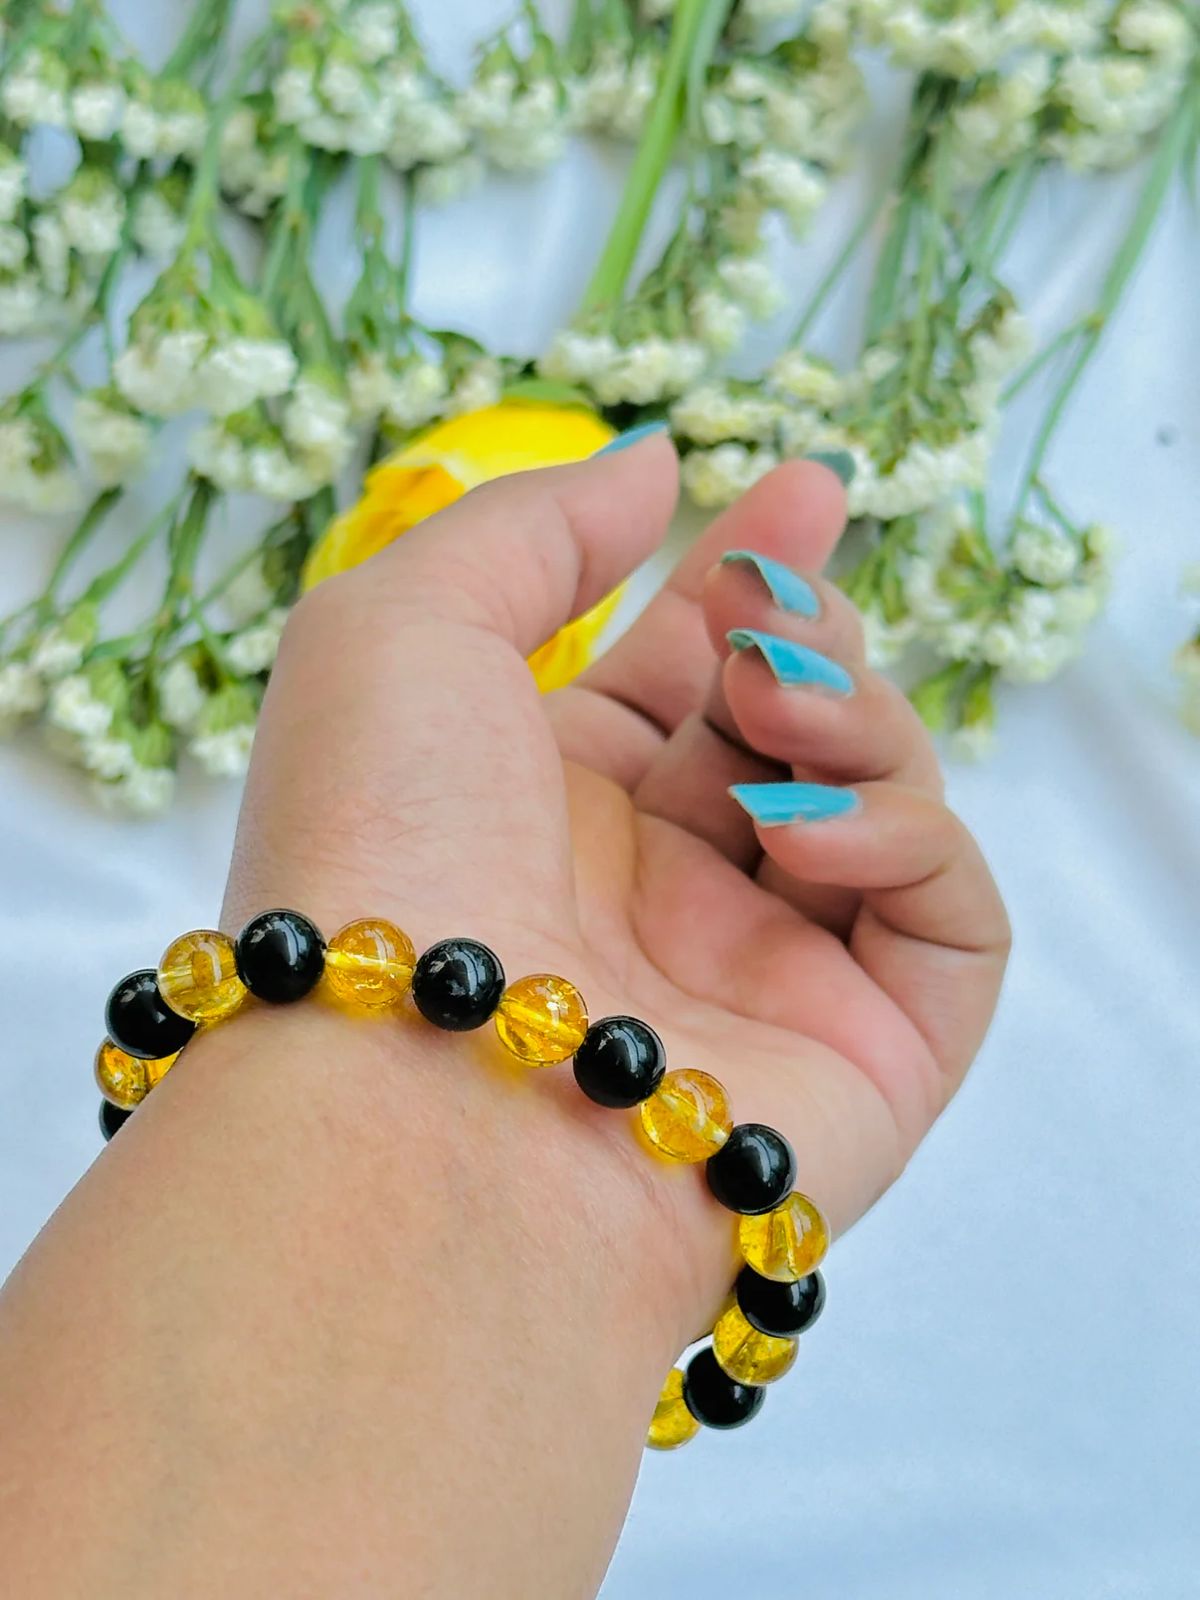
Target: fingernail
(633,436)
(794,664)
(773,805)
(787,588)
(839,461)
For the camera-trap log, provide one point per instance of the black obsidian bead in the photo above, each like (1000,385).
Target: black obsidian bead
(457,984)
(620,1062)
(112,1118)
(714,1398)
(280,956)
(753,1170)
(781,1309)
(141,1022)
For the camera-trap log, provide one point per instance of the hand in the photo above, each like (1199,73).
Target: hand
(836,975)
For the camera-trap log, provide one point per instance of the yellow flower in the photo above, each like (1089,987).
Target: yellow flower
(436,469)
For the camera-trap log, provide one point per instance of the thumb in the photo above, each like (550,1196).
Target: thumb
(403,759)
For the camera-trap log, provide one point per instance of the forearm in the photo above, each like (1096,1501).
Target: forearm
(341,1302)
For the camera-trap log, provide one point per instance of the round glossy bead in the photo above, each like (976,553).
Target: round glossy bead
(280,956)
(672,1423)
(112,1119)
(753,1169)
(787,1243)
(784,1309)
(687,1117)
(714,1398)
(457,984)
(541,1019)
(140,1022)
(620,1063)
(744,1353)
(369,964)
(126,1080)
(198,976)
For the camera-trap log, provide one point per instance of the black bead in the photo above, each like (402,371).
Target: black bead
(753,1170)
(141,1022)
(716,1399)
(280,956)
(781,1309)
(112,1118)
(457,984)
(620,1062)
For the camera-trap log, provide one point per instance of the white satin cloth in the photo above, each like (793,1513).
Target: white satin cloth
(1001,1400)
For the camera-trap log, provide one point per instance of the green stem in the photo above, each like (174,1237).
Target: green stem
(101,587)
(76,544)
(1047,354)
(200,38)
(841,261)
(1167,158)
(693,24)
(206,182)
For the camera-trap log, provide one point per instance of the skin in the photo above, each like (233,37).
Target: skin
(354,1308)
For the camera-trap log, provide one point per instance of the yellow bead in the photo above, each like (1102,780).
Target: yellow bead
(787,1243)
(124,1079)
(672,1423)
(370,964)
(541,1019)
(748,1355)
(687,1117)
(198,976)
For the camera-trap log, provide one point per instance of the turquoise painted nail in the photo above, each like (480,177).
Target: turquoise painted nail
(773,805)
(839,461)
(633,436)
(787,588)
(794,664)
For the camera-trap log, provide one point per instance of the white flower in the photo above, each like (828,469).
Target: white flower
(719,322)
(478,386)
(53,251)
(158,376)
(415,393)
(318,418)
(651,369)
(92,212)
(806,379)
(35,91)
(181,695)
(144,792)
(22,304)
(157,227)
(249,594)
(787,184)
(225,754)
(752,283)
(116,439)
(715,412)
(272,472)
(345,89)
(445,181)
(973,741)
(108,757)
(243,370)
(717,477)
(13,176)
(14,247)
(73,706)
(254,650)
(96,109)
(1154,27)
(294,91)
(140,129)
(220,456)
(374,30)
(1045,555)
(19,446)
(579,357)
(22,694)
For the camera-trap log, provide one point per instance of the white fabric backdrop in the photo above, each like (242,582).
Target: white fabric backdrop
(1001,1399)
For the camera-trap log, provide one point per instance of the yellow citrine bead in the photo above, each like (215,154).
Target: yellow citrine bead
(785,1244)
(126,1080)
(672,1423)
(198,976)
(687,1118)
(541,1019)
(748,1355)
(369,963)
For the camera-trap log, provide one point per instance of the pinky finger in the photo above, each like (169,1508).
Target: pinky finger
(932,931)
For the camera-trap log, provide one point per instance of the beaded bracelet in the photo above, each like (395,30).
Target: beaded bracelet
(619,1062)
